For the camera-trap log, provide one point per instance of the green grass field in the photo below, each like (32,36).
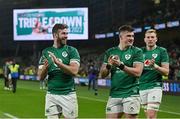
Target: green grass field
(28,102)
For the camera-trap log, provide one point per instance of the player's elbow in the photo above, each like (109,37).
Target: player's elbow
(138,74)
(74,73)
(138,71)
(166,73)
(103,74)
(41,77)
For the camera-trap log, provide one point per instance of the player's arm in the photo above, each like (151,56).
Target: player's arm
(104,71)
(71,69)
(163,69)
(43,70)
(136,70)
(106,67)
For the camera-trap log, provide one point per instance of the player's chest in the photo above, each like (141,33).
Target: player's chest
(62,56)
(152,55)
(126,57)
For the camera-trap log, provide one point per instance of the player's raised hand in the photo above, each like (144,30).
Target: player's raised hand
(115,60)
(152,62)
(53,57)
(110,60)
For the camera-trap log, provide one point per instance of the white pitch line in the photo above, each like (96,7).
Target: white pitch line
(10,116)
(176,113)
(93,99)
(100,100)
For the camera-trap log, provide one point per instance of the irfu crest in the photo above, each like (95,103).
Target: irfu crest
(154,55)
(64,54)
(127,56)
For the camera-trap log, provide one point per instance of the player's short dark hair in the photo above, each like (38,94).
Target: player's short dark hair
(56,27)
(125,28)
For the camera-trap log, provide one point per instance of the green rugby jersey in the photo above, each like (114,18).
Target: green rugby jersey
(150,77)
(122,84)
(58,81)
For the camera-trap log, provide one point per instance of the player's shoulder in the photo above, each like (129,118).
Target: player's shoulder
(161,48)
(70,47)
(135,47)
(111,49)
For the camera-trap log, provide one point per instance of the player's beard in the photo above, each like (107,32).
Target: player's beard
(63,42)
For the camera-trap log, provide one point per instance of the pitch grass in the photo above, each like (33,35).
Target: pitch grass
(28,102)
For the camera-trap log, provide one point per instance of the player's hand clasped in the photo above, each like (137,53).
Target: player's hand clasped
(153,64)
(54,58)
(114,61)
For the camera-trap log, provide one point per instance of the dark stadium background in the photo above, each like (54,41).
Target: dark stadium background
(104,16)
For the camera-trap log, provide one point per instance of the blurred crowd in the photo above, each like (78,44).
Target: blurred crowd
(166,11)
(174,62)
(159,13)
(87,60)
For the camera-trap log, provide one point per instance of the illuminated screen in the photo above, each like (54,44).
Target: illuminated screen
(36,24)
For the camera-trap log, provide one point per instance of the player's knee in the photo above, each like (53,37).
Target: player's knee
(152,110)
(151,114)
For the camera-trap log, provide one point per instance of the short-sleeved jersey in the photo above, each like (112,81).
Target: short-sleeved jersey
(58,81)
(150,77)
(122,84)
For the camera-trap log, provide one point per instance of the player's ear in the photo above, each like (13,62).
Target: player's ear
(55,35)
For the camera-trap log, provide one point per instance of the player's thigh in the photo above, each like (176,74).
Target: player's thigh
(131,105)
(51,106)
(69,105)
(155,95)
(143,96)
(65,104)
(114,105)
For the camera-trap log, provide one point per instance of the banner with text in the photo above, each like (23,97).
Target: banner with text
(36,24)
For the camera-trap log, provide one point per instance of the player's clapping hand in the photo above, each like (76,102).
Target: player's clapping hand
(152,62)
(114,60)
(110,60)
(53,57)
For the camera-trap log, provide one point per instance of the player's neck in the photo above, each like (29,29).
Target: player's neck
(151,48)
(122,47)
(57,45)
